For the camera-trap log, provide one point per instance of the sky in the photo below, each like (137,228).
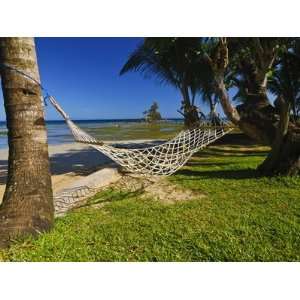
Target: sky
(83,75)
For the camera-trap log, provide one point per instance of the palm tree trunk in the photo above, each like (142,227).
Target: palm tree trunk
(27,206)
(284,157)
(191,116)
(257,120)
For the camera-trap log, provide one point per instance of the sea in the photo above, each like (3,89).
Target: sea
(59,133)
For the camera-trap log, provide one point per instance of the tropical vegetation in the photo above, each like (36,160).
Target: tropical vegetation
(253,68)
(152,115)
(250,210)
(237,216)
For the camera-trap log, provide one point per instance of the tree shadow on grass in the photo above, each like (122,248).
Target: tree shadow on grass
(235,138)
(240,152)
(222,174)
(203,163)
(211,152)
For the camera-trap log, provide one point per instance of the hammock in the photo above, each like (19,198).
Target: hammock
(163,159)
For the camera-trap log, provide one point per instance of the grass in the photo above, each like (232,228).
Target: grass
(243,217)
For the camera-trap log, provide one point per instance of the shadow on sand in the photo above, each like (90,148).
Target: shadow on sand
(86,160)
(78,161)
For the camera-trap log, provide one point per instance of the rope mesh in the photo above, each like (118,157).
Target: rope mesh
(164,159)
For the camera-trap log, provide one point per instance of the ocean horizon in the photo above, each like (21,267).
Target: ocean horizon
(59,133)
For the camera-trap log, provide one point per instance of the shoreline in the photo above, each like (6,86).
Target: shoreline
(68,162)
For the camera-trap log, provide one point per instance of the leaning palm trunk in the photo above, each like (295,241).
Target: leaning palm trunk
(266,124)
(27,206)
(271,126)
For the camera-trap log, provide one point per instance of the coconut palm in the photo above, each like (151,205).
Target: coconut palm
(253,66)
(27,206)
(171,61)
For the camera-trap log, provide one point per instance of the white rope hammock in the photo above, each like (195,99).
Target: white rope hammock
(162,159)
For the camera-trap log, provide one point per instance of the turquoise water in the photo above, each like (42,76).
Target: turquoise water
(59,133)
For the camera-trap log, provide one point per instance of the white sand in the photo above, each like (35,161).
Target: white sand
(69,162)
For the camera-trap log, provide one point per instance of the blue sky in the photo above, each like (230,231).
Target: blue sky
(83,74)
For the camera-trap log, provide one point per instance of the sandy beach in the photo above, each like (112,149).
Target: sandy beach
(69,162)
(72,161)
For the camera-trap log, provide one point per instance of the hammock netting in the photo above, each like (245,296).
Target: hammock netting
(163,159)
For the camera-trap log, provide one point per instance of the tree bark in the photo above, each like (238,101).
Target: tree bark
(270,126)
(27,206)
(230,111)
(214,117)
(256,117)
(190,113)
(284,157)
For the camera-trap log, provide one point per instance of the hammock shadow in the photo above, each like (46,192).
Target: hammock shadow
(83,161)
(78,161)
(222,174)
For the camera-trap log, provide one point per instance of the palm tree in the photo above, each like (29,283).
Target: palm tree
(285,80)
(206,90)
(27,206)
(172,61)
(252,64)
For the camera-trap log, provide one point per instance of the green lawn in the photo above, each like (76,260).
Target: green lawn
(242,218)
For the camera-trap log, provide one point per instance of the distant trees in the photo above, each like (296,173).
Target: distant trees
(152,114)
(173,61)
(27,206)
